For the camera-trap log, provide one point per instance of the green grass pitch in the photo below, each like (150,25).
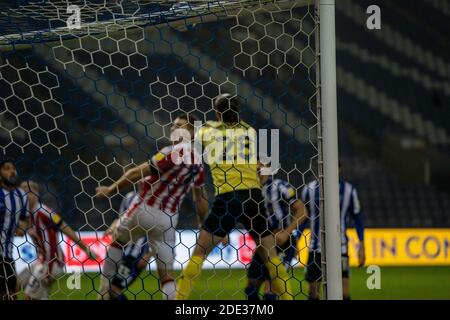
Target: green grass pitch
(228,284)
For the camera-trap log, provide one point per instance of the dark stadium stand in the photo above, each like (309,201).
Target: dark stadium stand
(388,199)
(388,202)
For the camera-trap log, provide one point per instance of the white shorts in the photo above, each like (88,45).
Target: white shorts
(141,220)
(36,281)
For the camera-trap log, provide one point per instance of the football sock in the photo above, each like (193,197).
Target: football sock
(188,276)
(279,278)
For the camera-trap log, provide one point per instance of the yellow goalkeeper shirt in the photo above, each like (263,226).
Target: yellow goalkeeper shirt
(230,151)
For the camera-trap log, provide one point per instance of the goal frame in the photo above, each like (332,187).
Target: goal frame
(328,153)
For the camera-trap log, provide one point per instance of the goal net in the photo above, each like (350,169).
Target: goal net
(90,89)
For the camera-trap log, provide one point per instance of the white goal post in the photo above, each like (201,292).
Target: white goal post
(332,265)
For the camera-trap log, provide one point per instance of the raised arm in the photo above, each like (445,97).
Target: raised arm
(128,178)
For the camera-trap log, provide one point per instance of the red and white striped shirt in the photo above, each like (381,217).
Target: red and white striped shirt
(179,169)
(46,224)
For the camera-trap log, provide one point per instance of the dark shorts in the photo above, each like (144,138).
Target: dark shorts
(314,267)
(241,206)
(127,271)
(257,269)
(8,278)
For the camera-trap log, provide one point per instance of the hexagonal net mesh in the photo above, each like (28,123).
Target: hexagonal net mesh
(94,104)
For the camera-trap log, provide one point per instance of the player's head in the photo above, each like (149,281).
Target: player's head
(32,189)
(184,122)
(227,108)
(8,173)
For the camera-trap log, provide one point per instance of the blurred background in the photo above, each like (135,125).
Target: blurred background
(80,106)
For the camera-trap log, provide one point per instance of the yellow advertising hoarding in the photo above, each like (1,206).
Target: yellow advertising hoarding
(397,247)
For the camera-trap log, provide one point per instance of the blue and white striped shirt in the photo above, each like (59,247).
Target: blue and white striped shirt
(138,248)
(349,208)
(278,196)
(13,206)
(126,201)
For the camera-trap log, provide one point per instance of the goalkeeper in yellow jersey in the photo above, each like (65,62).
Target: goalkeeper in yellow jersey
(231,154)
